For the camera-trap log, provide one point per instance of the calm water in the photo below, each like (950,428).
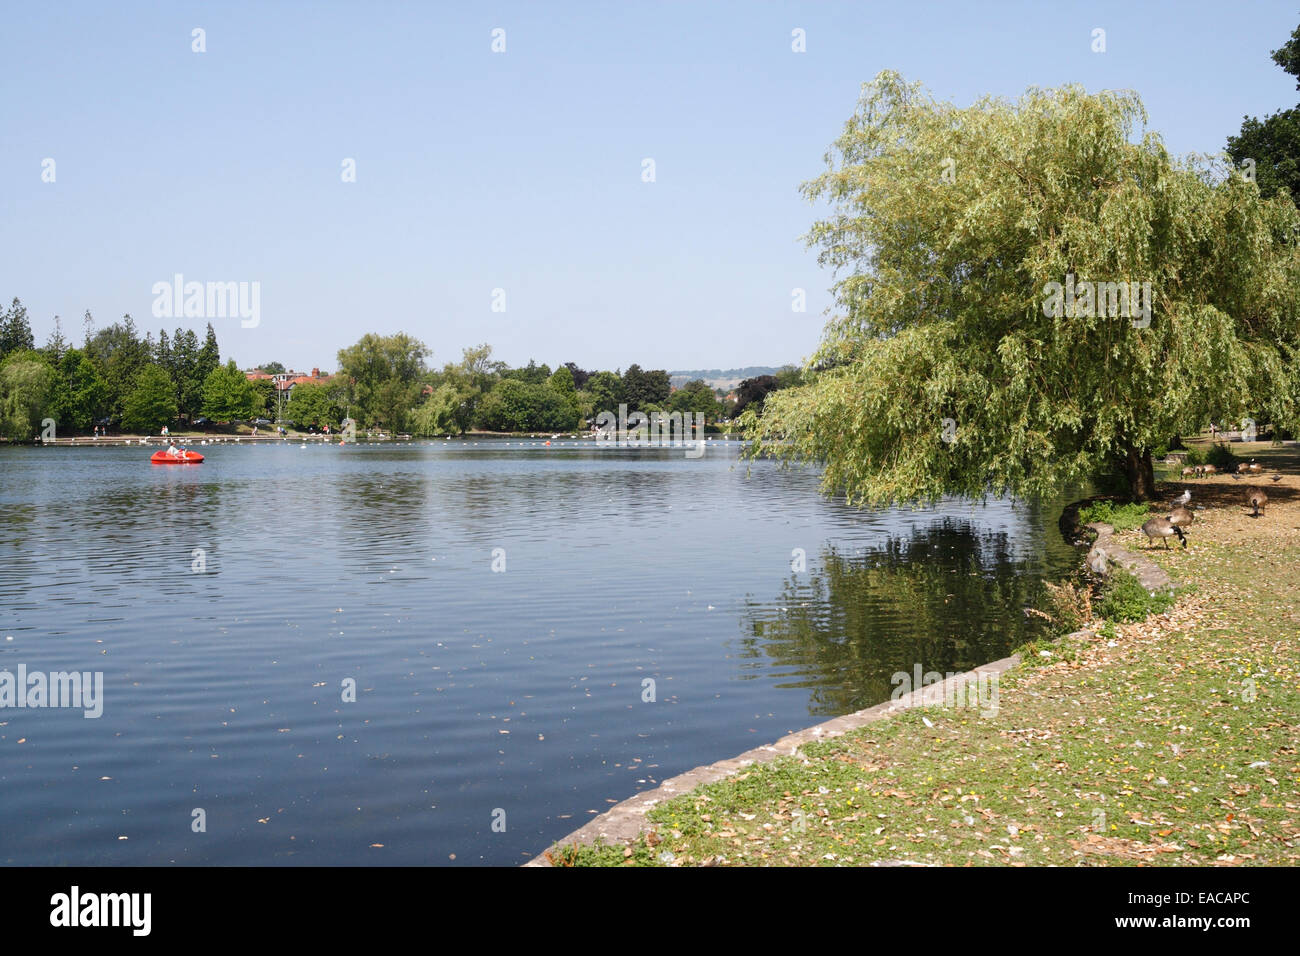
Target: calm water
(516,690)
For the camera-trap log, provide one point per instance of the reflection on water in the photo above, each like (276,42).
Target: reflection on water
(948,598)
(518,688)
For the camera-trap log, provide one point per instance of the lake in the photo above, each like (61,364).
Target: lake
(497,605)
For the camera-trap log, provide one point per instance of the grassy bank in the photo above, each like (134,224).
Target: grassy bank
(1171,741)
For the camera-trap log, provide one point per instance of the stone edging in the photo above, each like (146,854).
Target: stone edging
(627,820)
(1150,575)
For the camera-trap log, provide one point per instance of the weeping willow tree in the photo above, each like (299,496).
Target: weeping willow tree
(984,343)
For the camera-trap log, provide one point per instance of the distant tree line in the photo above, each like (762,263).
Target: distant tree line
(386,383)
(121,380)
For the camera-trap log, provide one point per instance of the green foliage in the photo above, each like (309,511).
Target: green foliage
(947,223)
(310,404)
(1273,144)
(385,374)
(27,390)
(266,396)
(561,380)
(752,392)
(516,406)
(530,374)
(1122,517)
(228,396)
(695,396)
(460,389)
(119,354)
(186,365)
(1220,456)
(645,391)
(151,402)
(208,359)
(1124,599)
(440,415)
(15,330)
(81,396)
(55,345)
(606,392)
(788,376)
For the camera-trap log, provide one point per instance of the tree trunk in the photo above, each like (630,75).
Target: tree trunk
(1140,474)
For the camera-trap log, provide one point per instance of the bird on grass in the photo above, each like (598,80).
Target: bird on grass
(1164,529)
(1182,499)
(1097,562)
(1274,477)
(1181,517)
(1256,500)
(1236,477)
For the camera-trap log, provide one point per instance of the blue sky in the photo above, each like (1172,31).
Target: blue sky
(519,170)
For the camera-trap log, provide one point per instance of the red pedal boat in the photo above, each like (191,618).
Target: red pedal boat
(185,458)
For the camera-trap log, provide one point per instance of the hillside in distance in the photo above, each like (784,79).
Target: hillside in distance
(721,378)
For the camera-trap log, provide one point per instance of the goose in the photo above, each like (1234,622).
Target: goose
(1209,470)
(1189,472)
(1164,529)
(1255,467)
(1256,500)
(1181,517)
(1242,468)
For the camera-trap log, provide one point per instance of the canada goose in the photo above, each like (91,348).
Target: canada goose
(1255,467)
(1181,517)
(1097,561)
(1164,529)
(1189,472)
(1256,500)
(1242,468)
(1209,470)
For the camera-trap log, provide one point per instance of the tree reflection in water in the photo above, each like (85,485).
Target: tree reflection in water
(949,598)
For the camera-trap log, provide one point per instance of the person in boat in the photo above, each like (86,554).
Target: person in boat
(175,452)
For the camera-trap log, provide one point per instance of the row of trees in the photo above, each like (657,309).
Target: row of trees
(119,378)
(115,377)
(384,380)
